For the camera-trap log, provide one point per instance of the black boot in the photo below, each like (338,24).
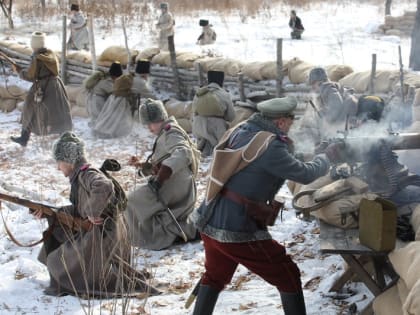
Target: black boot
(206,300)
(23,139)
(54,289)
(293,303)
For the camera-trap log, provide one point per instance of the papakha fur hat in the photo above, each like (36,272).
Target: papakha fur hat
(152,111)
(69,148)
(37,40)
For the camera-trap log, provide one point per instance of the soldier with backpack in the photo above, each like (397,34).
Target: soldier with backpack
(212,110)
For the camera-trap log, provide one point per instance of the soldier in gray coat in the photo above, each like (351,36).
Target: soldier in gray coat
(91,262)
(332,107)
(99,86)
(47,107)
(212,110)
(250,165)
(79,36)
(172,165)
(208,35)
(165,25)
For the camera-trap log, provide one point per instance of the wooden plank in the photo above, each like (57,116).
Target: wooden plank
(177,83)
(347,275)
(334,240)
(64,51)
(372,75)
(368,310)
(362,273)
(241,87)
(279,81)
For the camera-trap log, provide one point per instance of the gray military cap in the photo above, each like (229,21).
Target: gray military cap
(277,107)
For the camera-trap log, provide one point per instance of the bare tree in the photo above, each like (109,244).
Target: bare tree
(415,42)
(43,6)
(388,7)
(6,6)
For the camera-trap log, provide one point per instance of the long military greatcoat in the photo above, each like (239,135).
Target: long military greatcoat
(150,225)
(50,111)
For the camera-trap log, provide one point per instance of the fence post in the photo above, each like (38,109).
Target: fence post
(279,82)
(64,51)
(201,77)
(241,87)
(372,75)
(92,42)
(171,46)
(401,75)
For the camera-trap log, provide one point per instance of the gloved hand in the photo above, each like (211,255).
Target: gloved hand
(156,182)
(335,152)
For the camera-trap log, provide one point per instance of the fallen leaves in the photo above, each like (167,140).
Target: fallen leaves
(312,284)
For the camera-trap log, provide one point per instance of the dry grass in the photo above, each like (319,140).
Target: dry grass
(146,9)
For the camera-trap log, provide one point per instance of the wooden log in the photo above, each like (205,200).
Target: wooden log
(77,74)
(200,73)
(401,74)
(241,87)
(126,43)
(92,42)
(64,50)
(279,80)
(172,53)
(79,69)
(372,75)
(14,54)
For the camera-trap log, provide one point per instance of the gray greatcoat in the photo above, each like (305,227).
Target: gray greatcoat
(333,106)
(79,36)
(150,225)
(165,26)
(97,97)
(51,112)
(209,129)
(86,263)
(208,36)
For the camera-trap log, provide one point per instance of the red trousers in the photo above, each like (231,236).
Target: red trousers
(266,258)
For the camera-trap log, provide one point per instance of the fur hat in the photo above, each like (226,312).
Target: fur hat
(204,22)
(215,77)
(317,74)
(37,40)
(152,111)
(143,66)
(74,7)
(69,148)
(115,70)
(164,5)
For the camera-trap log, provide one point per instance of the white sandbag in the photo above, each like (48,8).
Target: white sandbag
(298,70)
(337,72)
(116,53)
(269,70)
(79,111)
(406,263)
(23,49)
(412,303)
(384,80)
(206,62)
(19,105)
(393,32)
(163,58)
(415,222)
(178,109)
(416,113)
(412,79)
(12,91)
(229,66)
(8,104)
(147,54)
(388,303)
(81,56)
(186,59)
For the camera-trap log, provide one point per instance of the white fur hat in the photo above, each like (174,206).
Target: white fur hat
(37,40)
(69,148)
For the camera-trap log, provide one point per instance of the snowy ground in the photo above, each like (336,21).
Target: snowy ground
(332,36)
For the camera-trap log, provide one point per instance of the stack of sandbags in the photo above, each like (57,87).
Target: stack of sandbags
(416,107)
(183,59)
(116,53)
(404,297)
(17,47)
(148,53)
(181,111)
(229,66)
(298,70)
(10,95)
(262,70)
(78,108)
(81,56)
(399,25)
(415,222)
(385,80)
(337,72)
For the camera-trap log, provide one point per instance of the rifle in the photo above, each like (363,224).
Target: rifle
(5,57)
(315,108)
(76,224)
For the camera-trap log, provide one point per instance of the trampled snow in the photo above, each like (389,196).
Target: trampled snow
(339,33)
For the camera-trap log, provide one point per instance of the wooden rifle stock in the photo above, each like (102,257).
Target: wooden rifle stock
(77,224)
